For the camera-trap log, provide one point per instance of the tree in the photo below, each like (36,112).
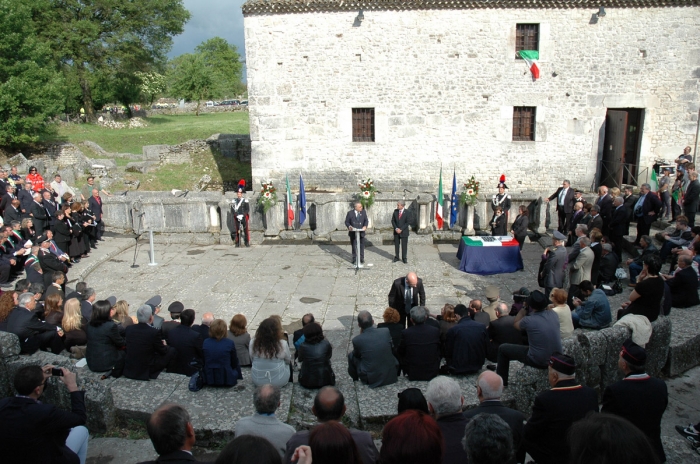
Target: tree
(152,85)
(224,63)
(191,79)
(115,37)
(30,85)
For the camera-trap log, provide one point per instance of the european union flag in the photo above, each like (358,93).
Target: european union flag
(454,202)
(302,201)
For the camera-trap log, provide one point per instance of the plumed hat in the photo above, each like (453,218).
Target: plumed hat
(502,182)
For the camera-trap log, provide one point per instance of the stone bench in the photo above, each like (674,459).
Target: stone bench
(684,346)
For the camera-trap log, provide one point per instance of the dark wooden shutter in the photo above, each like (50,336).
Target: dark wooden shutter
(363,124)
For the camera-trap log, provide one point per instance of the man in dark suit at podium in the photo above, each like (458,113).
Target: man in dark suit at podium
(400,222)
(357,220)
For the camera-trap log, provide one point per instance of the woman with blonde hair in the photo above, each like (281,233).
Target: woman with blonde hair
(221,367)
(241,338)
(74,324)
(121,314)
(558,298)
(270,353)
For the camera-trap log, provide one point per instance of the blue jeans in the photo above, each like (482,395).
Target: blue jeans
(575,317)
(77,442)
(635,269)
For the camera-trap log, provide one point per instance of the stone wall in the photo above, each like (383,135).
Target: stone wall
(209,213)
(443,83)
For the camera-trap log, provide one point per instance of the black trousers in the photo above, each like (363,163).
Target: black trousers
(161,362)
(564,221)
(43,341)
(243,225)
(5,272)
(642,229)
(353,244)
(618,245)
(404,246)
(691,217)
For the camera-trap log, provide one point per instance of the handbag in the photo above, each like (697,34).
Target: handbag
(197,379)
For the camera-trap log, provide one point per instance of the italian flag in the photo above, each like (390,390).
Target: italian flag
(290,208)
(531,57)
(440,201)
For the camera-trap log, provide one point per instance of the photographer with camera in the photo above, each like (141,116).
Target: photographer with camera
(33,431)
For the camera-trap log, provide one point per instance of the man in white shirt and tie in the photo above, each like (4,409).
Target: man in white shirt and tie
(565,205)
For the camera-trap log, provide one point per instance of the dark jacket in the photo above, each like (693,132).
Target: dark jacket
(684,288)
(465,346)
(352,220)
(25,201)
(363,440)
(691,199)
(568,199)
(595,269)
(649,250)
(404,223)
(502,331)
(143,344)
(39,217)
(608,266)
(545,434)
(419,352)
(11,214)
(50,207)
(651,204)
(397,292)
(395,329)
(103,346)
(515,419)
(596,223)
(188,348)
(33,432)
(642,400)
(26,325)
(618,221)
(452,427)
(61,235)
(605,203)
(520,226)
(372,357)
(221,366)
(49,262)
(95,207)
(316,370)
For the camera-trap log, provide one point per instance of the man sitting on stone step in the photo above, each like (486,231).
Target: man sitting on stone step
(329,405)
(263,423)
(172,434)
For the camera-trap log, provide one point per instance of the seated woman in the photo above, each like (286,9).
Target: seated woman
(315,355)
(105,346)
(270,353)
(498,223)
(221,367)
(27,230)
(558,297)
(74,325)
(121,316)
(241,338)
(8,302)
(645,299)
(392,321)
(53,309)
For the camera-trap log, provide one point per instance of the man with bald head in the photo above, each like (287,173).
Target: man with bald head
(489,388)
(203,328)
(329,405)
(406,292)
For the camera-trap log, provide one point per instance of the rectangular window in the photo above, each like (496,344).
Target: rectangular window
(363,124)
(524,123)
(527,37)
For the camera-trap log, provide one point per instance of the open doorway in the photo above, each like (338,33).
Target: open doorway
(623,137)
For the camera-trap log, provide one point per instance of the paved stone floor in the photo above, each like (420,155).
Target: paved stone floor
(291,280)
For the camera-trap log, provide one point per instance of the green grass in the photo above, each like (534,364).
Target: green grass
(161,130)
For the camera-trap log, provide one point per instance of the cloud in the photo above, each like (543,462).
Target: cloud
(211,18)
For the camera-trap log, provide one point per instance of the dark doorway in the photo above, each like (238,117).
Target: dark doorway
(623,136)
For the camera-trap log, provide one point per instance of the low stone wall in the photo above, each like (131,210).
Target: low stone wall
(207,214)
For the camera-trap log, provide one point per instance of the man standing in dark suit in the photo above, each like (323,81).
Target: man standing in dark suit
(146,352)
(565,205)
(419,349)
(400,222)
(489,389)
(12,212)
(545,434)
(618,223)
(6,200)
(50,207)
(356,220)
(646,209)
(38,214)
(406,292)
(95,205)
(630,199)
(187,344)
(48,261)
(372,360)
(26,199)
(691,199)
(33,333)
(172,435)
(605,203)
(596,221)
(37,432)
(639,398)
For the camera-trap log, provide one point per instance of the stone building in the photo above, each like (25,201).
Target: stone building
(342,90)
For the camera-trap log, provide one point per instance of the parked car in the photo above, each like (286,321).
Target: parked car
(210,104)
(244,102)
(230,103)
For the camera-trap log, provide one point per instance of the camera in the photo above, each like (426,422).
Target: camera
(56,372)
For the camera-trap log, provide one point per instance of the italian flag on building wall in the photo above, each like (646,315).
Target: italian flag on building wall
(290,205)
(531,57)
(440,201)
